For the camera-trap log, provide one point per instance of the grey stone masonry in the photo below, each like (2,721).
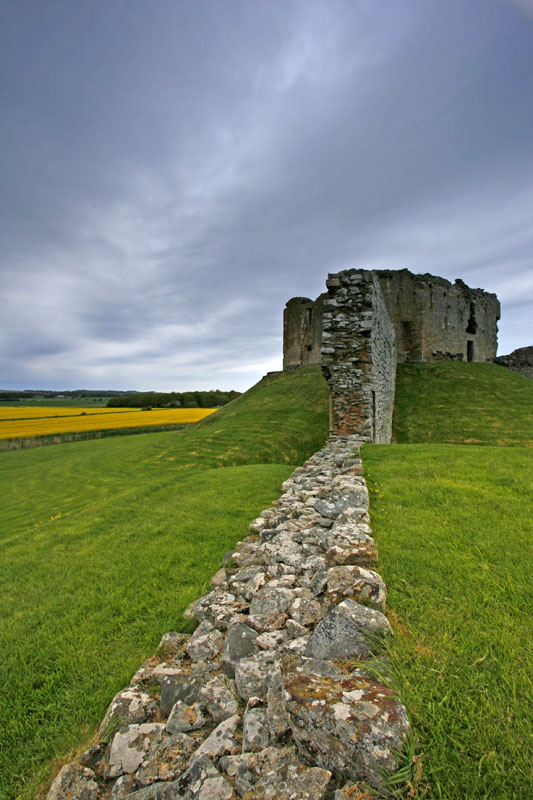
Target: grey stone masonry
(302,332)
(520,361)
(434,320)
(277,693)
(359,356)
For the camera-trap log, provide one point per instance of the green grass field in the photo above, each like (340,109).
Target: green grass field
(105,542)
(453,528)
(463,403)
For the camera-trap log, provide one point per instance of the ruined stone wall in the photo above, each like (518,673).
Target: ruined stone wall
(359,356)
(283,690)
(520,361)
(302,332)
(436,320)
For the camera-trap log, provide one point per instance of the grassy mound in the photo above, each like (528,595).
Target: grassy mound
(453,528)
(105,542)
(463,403)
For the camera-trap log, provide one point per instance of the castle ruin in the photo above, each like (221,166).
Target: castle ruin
(370,320)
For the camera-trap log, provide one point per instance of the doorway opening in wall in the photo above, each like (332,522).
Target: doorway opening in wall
(309,348)
(469,350)
(373,416)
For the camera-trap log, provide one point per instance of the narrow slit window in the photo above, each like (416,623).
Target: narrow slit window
(472,324)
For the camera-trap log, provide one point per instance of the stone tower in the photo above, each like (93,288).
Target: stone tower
(371,319)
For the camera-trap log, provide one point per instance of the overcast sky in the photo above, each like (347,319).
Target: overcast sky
(173,171)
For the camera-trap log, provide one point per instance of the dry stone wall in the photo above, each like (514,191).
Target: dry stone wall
(434,320)
(359,356)
(275,694)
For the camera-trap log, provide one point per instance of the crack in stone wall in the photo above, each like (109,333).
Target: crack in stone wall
(275,694)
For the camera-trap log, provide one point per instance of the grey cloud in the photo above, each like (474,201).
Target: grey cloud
(175,172)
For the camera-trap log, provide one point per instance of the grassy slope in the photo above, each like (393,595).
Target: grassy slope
(144,521)
(463,404)
(453,525)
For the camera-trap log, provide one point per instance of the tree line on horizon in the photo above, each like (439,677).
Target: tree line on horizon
(25,394)
(209,399)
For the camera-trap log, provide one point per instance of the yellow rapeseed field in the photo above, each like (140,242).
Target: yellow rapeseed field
(27,428)
(35,412)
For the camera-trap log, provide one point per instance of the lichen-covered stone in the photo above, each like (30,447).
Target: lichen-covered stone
(219,578)
(218,607)
(272,640)
(276,774)
(360,584)
(168,760)
(74,781)
(218,697)
(354,727)
(297,646)
(240,643)
(248,769)
(363,554)
(254,676)
(296,781)
(268,602)
(172,645)
(205,643)
(202,781)
(354,505)
(277,716)
(305,611)
(130,706)
(132,746)
(124,785)
(156,791)
(222,740)
(347,632)
(93,755)
(283,549)
(184,718)
(255,729)
(181,687)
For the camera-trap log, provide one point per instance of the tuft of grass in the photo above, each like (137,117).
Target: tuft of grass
(103,545)
(462,403)
(453,527)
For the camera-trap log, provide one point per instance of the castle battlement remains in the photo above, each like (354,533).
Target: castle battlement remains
(370,320)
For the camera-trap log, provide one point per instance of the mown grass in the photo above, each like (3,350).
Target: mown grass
(463,403)
(104,543)
(145,519)
(453,527)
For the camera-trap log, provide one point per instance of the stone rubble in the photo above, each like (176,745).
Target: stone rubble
(269,697)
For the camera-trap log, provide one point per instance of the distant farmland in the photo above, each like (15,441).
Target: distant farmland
(28,422)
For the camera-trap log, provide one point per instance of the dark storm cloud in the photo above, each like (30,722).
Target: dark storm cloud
(174,172)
